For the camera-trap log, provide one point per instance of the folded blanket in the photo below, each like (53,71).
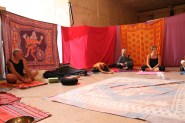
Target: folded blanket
(6,98)
(23,85)
(123,70)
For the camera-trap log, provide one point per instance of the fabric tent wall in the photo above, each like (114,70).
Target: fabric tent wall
(36,39)
(174,40)
(138,38)
(84,46)
(117,52)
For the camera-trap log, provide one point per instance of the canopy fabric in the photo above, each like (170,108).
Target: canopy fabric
(84,46)
(36,39)
(138,38)
(173,49)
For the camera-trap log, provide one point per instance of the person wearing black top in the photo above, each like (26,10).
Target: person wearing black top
(153,61)
(18,71)
(124,61)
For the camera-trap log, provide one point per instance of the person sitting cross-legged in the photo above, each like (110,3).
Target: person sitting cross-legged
(153,61)
(18,71)
(124,61)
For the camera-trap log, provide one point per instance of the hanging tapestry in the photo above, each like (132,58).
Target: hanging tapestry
(36,39)
(138,38)
(83,46)
(174,40)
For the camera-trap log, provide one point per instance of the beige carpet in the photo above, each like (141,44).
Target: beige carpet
(62,113)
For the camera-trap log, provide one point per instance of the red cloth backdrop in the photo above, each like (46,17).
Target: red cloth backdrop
(174,40)
(36,39)
(84,46)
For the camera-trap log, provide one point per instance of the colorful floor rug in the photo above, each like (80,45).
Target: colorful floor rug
(6,98)
(23,85)
(20,109)
(153,100)
(36,39)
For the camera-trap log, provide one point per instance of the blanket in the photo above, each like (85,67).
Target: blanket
(123,70)
(23,85)
(20,109)
(4,89)
(6,98)
(153,100)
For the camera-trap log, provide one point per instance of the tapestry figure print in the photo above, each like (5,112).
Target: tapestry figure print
(36,39)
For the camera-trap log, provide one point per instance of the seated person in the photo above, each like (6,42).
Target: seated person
(101,67)
(153,61)
(18,71)
(182,66)
(125,61)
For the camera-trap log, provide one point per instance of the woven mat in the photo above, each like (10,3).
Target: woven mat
(6,98)
(20,109)
(122,70)
(4,89)
(23,85)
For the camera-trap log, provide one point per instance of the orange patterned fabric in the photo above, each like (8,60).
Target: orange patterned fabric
(138,38)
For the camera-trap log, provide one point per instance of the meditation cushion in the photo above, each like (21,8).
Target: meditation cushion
(68,81)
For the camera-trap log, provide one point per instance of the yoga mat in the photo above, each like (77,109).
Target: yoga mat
(6,98)
(20,109)
(123,70)
(147,73)
(24,85)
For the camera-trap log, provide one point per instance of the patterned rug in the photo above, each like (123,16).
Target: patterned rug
(23,85)
(20,109)
(6,98)
(153,100)
(36,39)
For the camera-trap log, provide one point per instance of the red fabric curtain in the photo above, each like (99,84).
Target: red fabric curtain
(84,46)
